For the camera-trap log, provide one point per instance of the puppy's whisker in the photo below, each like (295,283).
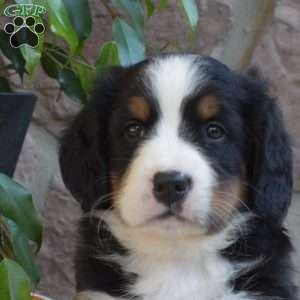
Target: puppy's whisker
(102,231)
(104,199)
(232,196)
(227,207)
(105,179)
(224,213)
(252,187)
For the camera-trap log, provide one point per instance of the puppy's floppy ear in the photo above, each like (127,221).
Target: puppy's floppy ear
(271,158)
(84,147)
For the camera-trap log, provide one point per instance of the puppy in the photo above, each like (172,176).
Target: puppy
(184,172)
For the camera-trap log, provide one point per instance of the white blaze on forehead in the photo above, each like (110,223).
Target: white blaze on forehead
(172,79)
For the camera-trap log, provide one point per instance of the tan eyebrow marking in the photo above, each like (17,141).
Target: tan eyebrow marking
(140,108)
(208,107)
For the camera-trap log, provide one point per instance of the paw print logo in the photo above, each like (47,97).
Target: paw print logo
(24,31)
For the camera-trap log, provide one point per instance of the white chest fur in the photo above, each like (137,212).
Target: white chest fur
(169,280)
(166,269)
(204,279)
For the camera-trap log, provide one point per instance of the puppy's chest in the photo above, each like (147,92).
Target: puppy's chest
(206,279)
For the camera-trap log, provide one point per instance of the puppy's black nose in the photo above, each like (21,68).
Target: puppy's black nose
(171,187)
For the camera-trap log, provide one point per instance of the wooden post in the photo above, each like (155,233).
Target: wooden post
(250,18)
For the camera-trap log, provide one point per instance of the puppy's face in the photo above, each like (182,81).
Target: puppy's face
(179,145)
(177,148)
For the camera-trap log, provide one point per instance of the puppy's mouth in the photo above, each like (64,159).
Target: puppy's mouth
(173,224)
(171,213)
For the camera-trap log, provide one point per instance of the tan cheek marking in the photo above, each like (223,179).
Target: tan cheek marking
(226,199)
(208,107)
(115,183)
(140,108)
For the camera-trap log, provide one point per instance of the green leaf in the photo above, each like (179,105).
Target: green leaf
(135,10)
(1,5)
(150,7)
(32,57)
(13,54)
(71,85)
(23,251)
(4,85)
(87,76)
(56,65)
(80,17)
(14,283)
(131,49)
(16,204)
(162,4)
(53,59)
(61,25)
(191,11)
(108,56)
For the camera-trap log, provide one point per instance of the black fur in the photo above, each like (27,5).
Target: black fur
(269,244)
(94,273)
(271,155)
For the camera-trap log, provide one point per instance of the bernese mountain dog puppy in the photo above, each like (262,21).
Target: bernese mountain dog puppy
(183,170)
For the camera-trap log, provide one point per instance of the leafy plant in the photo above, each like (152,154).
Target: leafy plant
(20,240)
(69,24)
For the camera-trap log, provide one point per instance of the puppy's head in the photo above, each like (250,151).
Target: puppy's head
(179,144)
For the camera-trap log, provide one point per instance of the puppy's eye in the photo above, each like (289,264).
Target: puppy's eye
(134,131)
(215,131)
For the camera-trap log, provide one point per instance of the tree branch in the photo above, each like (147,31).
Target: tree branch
(250,19)
(111,11)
